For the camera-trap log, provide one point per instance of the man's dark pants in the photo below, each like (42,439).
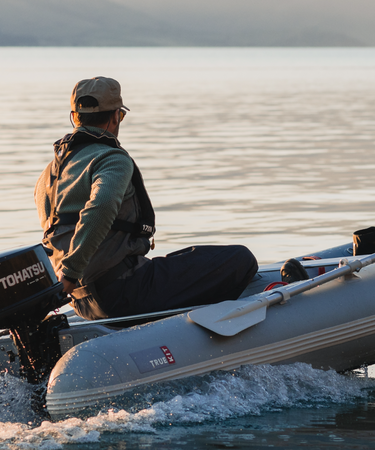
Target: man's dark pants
(194,276)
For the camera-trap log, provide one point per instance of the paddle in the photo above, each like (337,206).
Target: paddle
(233,316)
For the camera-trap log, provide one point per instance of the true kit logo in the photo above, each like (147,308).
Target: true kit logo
(28,274)
(166,359)
(153,358)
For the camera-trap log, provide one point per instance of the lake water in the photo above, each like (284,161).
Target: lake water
(270,148)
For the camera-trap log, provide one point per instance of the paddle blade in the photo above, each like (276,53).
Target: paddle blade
(230,317)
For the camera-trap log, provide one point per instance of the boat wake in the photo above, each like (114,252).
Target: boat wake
(218,396)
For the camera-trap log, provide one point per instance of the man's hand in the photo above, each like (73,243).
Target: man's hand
(68,285)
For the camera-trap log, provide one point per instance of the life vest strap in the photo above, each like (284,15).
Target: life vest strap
(141,228)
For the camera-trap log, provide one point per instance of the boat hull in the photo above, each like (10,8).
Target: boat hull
(330,327)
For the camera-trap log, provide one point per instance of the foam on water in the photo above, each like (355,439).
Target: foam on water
(248,391)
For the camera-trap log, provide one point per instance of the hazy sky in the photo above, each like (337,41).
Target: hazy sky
(354,17)
(241,9)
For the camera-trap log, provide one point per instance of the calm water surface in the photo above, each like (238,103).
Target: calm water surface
(270,148)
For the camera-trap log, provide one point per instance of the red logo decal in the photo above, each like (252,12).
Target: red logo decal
(167,354)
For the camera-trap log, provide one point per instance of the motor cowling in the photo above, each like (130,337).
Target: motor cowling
(29,290)
(28,286)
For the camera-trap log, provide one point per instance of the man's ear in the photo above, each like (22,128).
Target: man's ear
(75,118)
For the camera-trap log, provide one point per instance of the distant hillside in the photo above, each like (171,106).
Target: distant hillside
(187,23)
(78,23)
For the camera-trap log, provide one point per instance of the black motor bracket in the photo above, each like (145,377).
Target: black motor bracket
(38,347)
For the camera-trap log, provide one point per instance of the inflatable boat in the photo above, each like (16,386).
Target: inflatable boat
(327,321)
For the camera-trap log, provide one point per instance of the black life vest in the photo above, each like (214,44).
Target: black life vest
(65,149)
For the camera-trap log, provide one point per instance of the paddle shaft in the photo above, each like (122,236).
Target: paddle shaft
(249,305)
(298,288)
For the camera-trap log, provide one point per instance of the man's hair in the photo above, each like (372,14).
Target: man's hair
(92,119)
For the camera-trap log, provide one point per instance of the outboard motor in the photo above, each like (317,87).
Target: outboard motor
(29,291)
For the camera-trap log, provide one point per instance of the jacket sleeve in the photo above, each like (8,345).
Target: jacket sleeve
(110,182)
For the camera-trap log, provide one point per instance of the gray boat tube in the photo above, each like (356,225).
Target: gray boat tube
(332,326)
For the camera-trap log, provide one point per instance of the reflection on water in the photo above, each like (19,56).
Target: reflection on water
(271,148)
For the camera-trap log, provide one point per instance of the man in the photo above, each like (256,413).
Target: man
(98,221)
